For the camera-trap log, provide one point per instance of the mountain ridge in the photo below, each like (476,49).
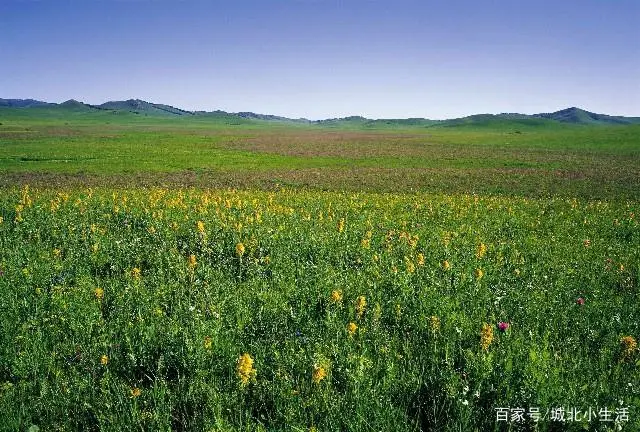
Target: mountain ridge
(571,115)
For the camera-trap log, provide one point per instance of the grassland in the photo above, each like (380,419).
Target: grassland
(502,158)
(316,278)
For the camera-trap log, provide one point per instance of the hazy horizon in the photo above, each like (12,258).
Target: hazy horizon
(326,59)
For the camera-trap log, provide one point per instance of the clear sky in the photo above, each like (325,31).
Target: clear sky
(327,58)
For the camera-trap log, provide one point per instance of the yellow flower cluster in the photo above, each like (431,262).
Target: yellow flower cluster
(336,296)
(361,304)
(135,273)
(434,323)
(351,328)
(629,345)
(200,227)
(99,293)
(409,265)
(481,250)
(319,373)
(245,369)
(104,360)
(486,336)
(240,249)
(192,262)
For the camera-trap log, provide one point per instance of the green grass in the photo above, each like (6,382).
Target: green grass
(443,231)
(45,146)
(176,332)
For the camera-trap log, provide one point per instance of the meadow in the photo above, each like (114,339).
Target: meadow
(167,275)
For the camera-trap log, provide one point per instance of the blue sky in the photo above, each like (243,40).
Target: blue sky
(327,58)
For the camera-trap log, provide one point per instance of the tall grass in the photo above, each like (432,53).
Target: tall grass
(154,309)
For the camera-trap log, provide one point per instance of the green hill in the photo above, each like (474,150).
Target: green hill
(579,116)
(141,108)
(138,106)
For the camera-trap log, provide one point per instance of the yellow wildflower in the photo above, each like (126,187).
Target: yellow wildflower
(208,342)
(336,296)
(361,304)
(365,243)
(409,265)
(446,238)
(200,227)
(99,293)
(629,345)
(240,249)
(351,328)
(56,253)
(479,273)
(319,373)
(434,322)
(104,360)
(398,310)
(192,262)
(245,368)
(341,225)
(481,250)
(135,392)
(486,336)
(135,273)
(420,259)
(445,265)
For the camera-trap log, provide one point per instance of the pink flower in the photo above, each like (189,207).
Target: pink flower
(503,326)
(580,301)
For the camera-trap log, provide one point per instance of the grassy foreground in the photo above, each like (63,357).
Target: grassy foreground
(156,309)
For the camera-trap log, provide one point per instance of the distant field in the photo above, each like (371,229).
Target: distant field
(503,158)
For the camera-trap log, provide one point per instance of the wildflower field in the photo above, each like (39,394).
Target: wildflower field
(242,310)
(208,275)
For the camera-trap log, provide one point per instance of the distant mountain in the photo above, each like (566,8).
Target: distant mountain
(269,117)
(496,120)
(571,115)
(75,105)
(138,106)
(22,103)
(377,123)
(580,116)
